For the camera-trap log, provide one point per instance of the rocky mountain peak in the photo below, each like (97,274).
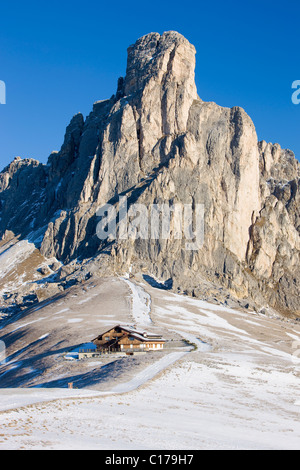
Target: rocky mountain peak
(156,142)
(156,57)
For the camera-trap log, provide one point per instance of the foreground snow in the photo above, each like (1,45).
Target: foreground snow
(227,404)
(18,397)
(236,388)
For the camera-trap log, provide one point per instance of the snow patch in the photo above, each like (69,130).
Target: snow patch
(15,255)
(141,303)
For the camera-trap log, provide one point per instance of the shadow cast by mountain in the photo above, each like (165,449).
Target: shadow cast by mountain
(21,367)
(111,371)
(166,285)
(21,314)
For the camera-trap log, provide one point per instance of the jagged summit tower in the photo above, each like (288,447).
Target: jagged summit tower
(156,141)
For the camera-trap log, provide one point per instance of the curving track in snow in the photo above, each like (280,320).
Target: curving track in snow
(141,304)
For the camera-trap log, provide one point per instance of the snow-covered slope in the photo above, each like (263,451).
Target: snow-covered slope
(234,385)
(24,273)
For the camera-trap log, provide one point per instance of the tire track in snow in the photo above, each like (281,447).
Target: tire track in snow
(149,373)
(141,303)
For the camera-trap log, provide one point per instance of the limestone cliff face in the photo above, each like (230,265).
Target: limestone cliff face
(156,141)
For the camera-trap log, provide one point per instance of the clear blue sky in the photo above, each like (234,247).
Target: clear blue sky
(59,57)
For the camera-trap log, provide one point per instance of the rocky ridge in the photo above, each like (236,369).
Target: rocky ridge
(156,141)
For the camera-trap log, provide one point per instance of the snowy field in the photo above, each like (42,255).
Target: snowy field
(235,385)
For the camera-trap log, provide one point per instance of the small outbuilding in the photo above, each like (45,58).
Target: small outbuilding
(129,340)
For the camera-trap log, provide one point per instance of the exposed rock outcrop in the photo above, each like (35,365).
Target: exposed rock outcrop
(156,142)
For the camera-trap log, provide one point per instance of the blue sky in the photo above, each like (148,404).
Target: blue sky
(59,57)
